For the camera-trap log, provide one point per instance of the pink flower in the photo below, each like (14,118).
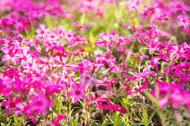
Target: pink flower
(78,92)
(6,58)
(172,93)
(105,104)
(58,119)
(184,21)
(155,62)
(37,104)
(14,105)
(42,31)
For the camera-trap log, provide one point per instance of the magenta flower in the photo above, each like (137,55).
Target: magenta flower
(77,92)
(184,21)
(57,121)
(105,104)
(172,94)
(14,105)
(37,104)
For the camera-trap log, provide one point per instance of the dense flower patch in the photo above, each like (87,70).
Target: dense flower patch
(94,62)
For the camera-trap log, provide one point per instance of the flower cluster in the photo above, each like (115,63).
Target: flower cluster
(50,74)
(173,16)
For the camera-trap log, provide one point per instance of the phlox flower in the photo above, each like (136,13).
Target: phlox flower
(38,103)
(57,121)
(14,105)
(105,104)
(42,31)
(77,92)
(184,21)
(172,93)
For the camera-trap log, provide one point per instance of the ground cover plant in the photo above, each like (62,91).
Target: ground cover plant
(94,63)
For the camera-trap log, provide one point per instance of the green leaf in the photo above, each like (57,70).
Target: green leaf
(105,123)
(58,104)
(145,117)
(75,122)
(116,119)
(126,120)
(82,19)
(30,34)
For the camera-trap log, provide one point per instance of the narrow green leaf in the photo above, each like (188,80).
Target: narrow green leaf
(105,123)
(145,117)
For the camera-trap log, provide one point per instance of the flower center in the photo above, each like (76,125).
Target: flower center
(77,92)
